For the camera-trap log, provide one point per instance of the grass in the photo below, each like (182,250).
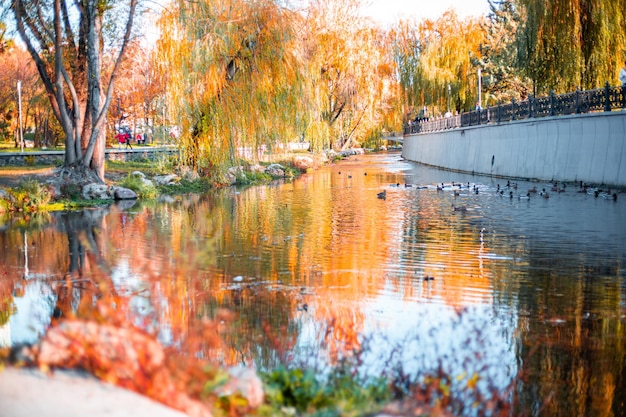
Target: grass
(144,189)
(30,196)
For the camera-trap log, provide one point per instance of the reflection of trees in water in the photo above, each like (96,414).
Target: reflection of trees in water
(581,358)
(78,291)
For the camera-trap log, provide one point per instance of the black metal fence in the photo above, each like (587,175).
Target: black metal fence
(577,102)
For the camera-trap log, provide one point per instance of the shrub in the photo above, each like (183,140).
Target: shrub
(28,196)
(139,185)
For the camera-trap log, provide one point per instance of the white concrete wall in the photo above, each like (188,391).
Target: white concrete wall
(589,148)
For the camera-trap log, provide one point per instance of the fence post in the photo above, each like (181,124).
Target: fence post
(551,102)
(607,98)
(577,100)
(530,106)
(513,111)
(499,114)
(624,97)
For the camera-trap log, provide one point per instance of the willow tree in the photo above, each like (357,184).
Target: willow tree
(565,44)
(438,62)
(233,78)
(65,40)
(351,71)
(5,42)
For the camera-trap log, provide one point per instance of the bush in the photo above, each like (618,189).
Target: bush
(297,391)
(28,196)
(143,188)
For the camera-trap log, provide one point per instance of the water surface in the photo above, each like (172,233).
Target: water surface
(509,288)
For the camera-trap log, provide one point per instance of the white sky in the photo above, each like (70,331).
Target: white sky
(388,11)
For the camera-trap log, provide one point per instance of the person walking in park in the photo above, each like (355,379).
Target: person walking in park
(622,75)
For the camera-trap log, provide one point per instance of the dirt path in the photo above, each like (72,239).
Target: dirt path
(12,177)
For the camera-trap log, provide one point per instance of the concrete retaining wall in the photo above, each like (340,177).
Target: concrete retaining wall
(589,148)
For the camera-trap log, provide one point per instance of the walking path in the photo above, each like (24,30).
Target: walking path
(31,393)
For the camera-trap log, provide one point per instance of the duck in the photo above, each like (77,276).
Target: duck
(524,196)
(382,195)
(609,196)
(544,194)
(533,190)
(459,208)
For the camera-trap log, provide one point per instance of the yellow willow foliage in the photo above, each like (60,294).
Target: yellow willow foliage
(434,55)
(449,46)
(234,80)
(564,44)
(352,72)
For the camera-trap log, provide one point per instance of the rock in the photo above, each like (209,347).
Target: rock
(275,170)
(147,182)
(125,357)
(256,168)
(245,382)
(95,191)
(121,193)
(232,173)
(4,195)
(166,179)
(138,174)
(303,162)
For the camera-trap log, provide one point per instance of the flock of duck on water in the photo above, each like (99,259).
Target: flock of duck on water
(509,190)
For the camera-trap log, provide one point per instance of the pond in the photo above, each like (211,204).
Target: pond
(435,275)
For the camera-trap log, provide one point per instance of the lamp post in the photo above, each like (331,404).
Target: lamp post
(480,87)
(19,107)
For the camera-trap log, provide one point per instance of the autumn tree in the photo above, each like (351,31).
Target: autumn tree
(66,41)
(234,80)
(5,42)
(140,89)
(438,62)
(565,44)
(351,73)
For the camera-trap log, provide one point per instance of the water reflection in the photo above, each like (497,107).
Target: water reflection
(319,266)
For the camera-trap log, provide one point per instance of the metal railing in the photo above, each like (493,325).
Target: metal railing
(577,102)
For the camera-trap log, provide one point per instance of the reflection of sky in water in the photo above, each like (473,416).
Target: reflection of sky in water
(422,336)
(34,310)
(133,287)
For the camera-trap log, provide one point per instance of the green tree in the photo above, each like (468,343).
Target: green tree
(502,80)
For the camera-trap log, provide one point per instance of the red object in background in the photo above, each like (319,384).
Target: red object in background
(123,136)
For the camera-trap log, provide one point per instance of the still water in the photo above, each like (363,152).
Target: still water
(508,288)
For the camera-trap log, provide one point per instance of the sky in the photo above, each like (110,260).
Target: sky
(388,11)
